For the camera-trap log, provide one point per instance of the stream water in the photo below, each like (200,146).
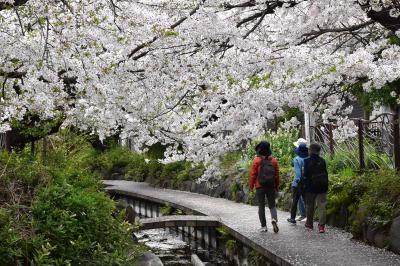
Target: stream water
(173,251)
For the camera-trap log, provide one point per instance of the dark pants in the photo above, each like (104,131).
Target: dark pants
(296,194)
(261,194)
(320,199)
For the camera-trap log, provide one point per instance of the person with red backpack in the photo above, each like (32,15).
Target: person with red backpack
(316,187)
(264,176)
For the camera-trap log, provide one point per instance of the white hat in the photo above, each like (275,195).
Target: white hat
(300,141)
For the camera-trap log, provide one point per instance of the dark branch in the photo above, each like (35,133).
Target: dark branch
(16,3)
(250,3)
(269,9)
(255,26)
(146,44)
(383,17)
(315,34)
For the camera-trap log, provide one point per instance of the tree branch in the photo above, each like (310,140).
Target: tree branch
(270,9)
(4,5)
(250,3)
(315,34)
(145,44)
(383,17)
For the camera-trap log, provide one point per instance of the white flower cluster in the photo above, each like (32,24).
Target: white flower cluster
(198,76)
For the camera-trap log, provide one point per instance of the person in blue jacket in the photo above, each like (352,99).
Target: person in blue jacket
(297,183)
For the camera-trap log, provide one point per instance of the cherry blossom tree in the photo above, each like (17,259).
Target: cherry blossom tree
(201,76)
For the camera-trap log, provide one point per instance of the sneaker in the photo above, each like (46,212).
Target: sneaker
(301,218)
(263,229)
(275,226)
(321,228)
(309,226)
(291,221)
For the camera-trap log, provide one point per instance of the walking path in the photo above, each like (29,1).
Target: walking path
(293,245)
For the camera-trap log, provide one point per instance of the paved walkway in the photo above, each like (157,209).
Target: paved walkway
(293,245)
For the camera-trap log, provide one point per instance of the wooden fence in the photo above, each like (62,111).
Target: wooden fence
(375,144)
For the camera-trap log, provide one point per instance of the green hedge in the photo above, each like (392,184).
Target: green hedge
(371,198)
(53,210)
(141,167)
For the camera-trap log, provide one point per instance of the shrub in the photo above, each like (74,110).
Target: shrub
(77,224)
(51,210)
(155,169)
(381,200)
(121,159)
(370,198)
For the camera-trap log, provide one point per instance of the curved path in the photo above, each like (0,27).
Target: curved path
(293,245)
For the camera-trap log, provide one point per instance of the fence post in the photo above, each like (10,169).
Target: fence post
(361,144)
(7,145)
(396,139)
(331,143)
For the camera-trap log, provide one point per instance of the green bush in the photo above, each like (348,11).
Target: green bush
(382,198)
(120,158)
(230,161)
(77,224)
(52,211)
(155,169)
(371,198)
(190,172)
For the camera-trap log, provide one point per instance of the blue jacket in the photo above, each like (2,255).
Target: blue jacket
(298,166)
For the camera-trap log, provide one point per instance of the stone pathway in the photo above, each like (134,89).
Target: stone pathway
(293,245)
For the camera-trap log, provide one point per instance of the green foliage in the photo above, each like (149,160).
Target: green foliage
(166,210)
(33,126)
(231,245)
(282,149)
(156,151)
(155,169)
(120,158)
(53,213)
(223,232)
(257,81)
(234,188)
(290,112)
(141,167)
(381,200)
(370,198)
(76,221)
(190,173)
(170,33)
(230,160)
(382,95)
(256,259)
(346,157)
(176,172)
(394,40)
(281,146)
